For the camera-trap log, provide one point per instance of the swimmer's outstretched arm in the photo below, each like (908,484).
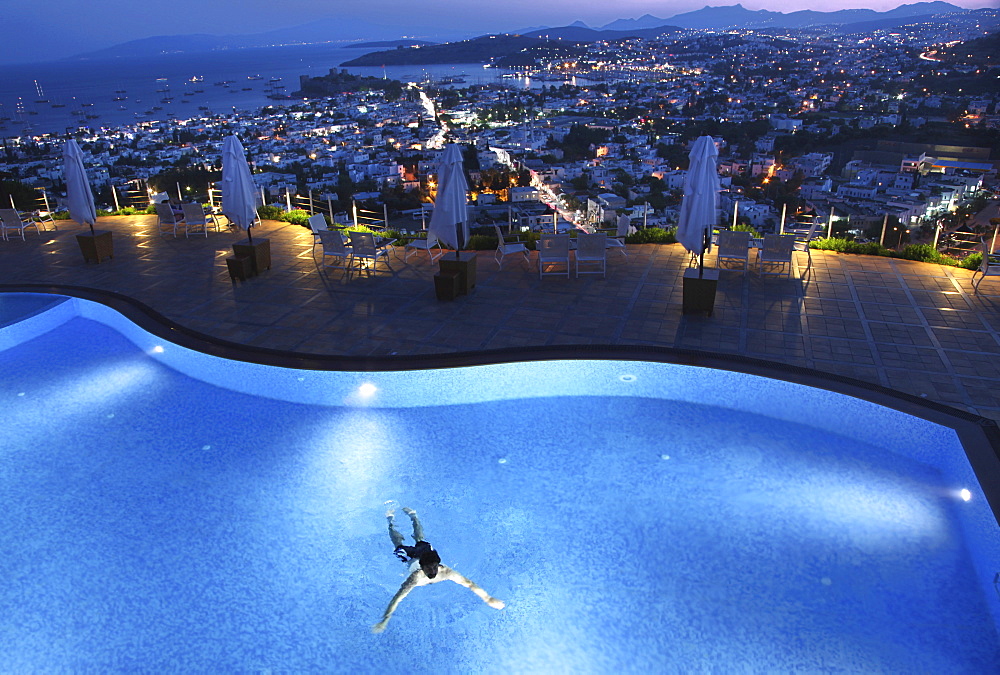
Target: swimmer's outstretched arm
(452,575)
(404,590)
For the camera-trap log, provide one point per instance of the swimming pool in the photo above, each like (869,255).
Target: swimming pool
(170,510)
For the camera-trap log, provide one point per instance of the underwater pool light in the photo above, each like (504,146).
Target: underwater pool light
(157,349)
(367,389)
(965,494)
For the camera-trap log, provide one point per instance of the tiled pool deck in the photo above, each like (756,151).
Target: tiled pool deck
(913,327)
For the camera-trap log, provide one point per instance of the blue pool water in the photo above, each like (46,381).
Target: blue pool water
(156,521)
(15,307)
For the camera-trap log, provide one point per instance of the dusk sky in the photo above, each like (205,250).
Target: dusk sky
(49,29)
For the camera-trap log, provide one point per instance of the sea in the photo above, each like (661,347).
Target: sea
(60,97)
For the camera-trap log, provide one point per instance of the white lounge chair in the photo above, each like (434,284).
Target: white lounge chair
(10,221)
(989,267)
(167,221)
(45,221)
(553,250)
(592,249)
(776,251)
(733,246)
(802,239)
(617,240)
(195,220)
(365,253)
(317,224)
(336,252)
(424,245)
(506,248)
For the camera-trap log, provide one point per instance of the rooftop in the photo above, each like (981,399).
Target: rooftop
(913,327)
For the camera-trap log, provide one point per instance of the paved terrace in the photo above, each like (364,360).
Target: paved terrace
(914,327)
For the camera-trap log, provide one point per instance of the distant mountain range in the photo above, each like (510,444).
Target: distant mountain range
(345,32)
(338,32)
(737,16)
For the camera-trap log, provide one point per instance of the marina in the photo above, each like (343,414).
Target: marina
(118,93)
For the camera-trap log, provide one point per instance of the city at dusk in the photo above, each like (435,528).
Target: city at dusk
(668,332)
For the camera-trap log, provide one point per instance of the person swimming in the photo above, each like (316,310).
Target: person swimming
(425,568)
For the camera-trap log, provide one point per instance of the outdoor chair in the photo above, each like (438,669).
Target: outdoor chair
(802,239)
(506,248)
(592,249)
(45,221)
(336,252)
(10,220)
(365,253)
(424,245)
(776,252)
(317,224)
(553,250)
(617,240)
(167,221)
(195,220)
(989,267)
(733,246)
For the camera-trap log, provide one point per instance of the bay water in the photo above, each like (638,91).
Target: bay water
(58,97)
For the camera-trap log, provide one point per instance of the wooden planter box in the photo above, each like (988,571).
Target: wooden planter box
(446,285)
(240,268)
(96,246)
(699,293)
(259,253)
(464,266)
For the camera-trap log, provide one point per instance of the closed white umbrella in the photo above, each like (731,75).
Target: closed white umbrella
(700,205)
(78,194)
(450,219)
(239,194)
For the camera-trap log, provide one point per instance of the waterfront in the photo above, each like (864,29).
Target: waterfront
(91,87)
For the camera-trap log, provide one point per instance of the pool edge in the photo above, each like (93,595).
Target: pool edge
(979,435)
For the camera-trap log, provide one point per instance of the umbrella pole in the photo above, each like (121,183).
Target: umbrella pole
(701,258)
(92,233)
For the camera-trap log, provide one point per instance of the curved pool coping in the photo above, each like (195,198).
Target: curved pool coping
(980,436)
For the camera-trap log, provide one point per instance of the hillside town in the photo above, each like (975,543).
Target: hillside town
(868,132)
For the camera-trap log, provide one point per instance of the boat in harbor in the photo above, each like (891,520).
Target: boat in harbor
(41,94)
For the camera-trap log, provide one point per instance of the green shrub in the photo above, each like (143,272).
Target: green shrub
(296,217)
(849,246)
(926,253)
(60,215)
(972,261)
(131,211)
(918,252)
(746,228)
(270,212)
(359,228)
(653,235)
(481,242)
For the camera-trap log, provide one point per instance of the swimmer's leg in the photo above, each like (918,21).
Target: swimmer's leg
(418,530)
(397,538)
